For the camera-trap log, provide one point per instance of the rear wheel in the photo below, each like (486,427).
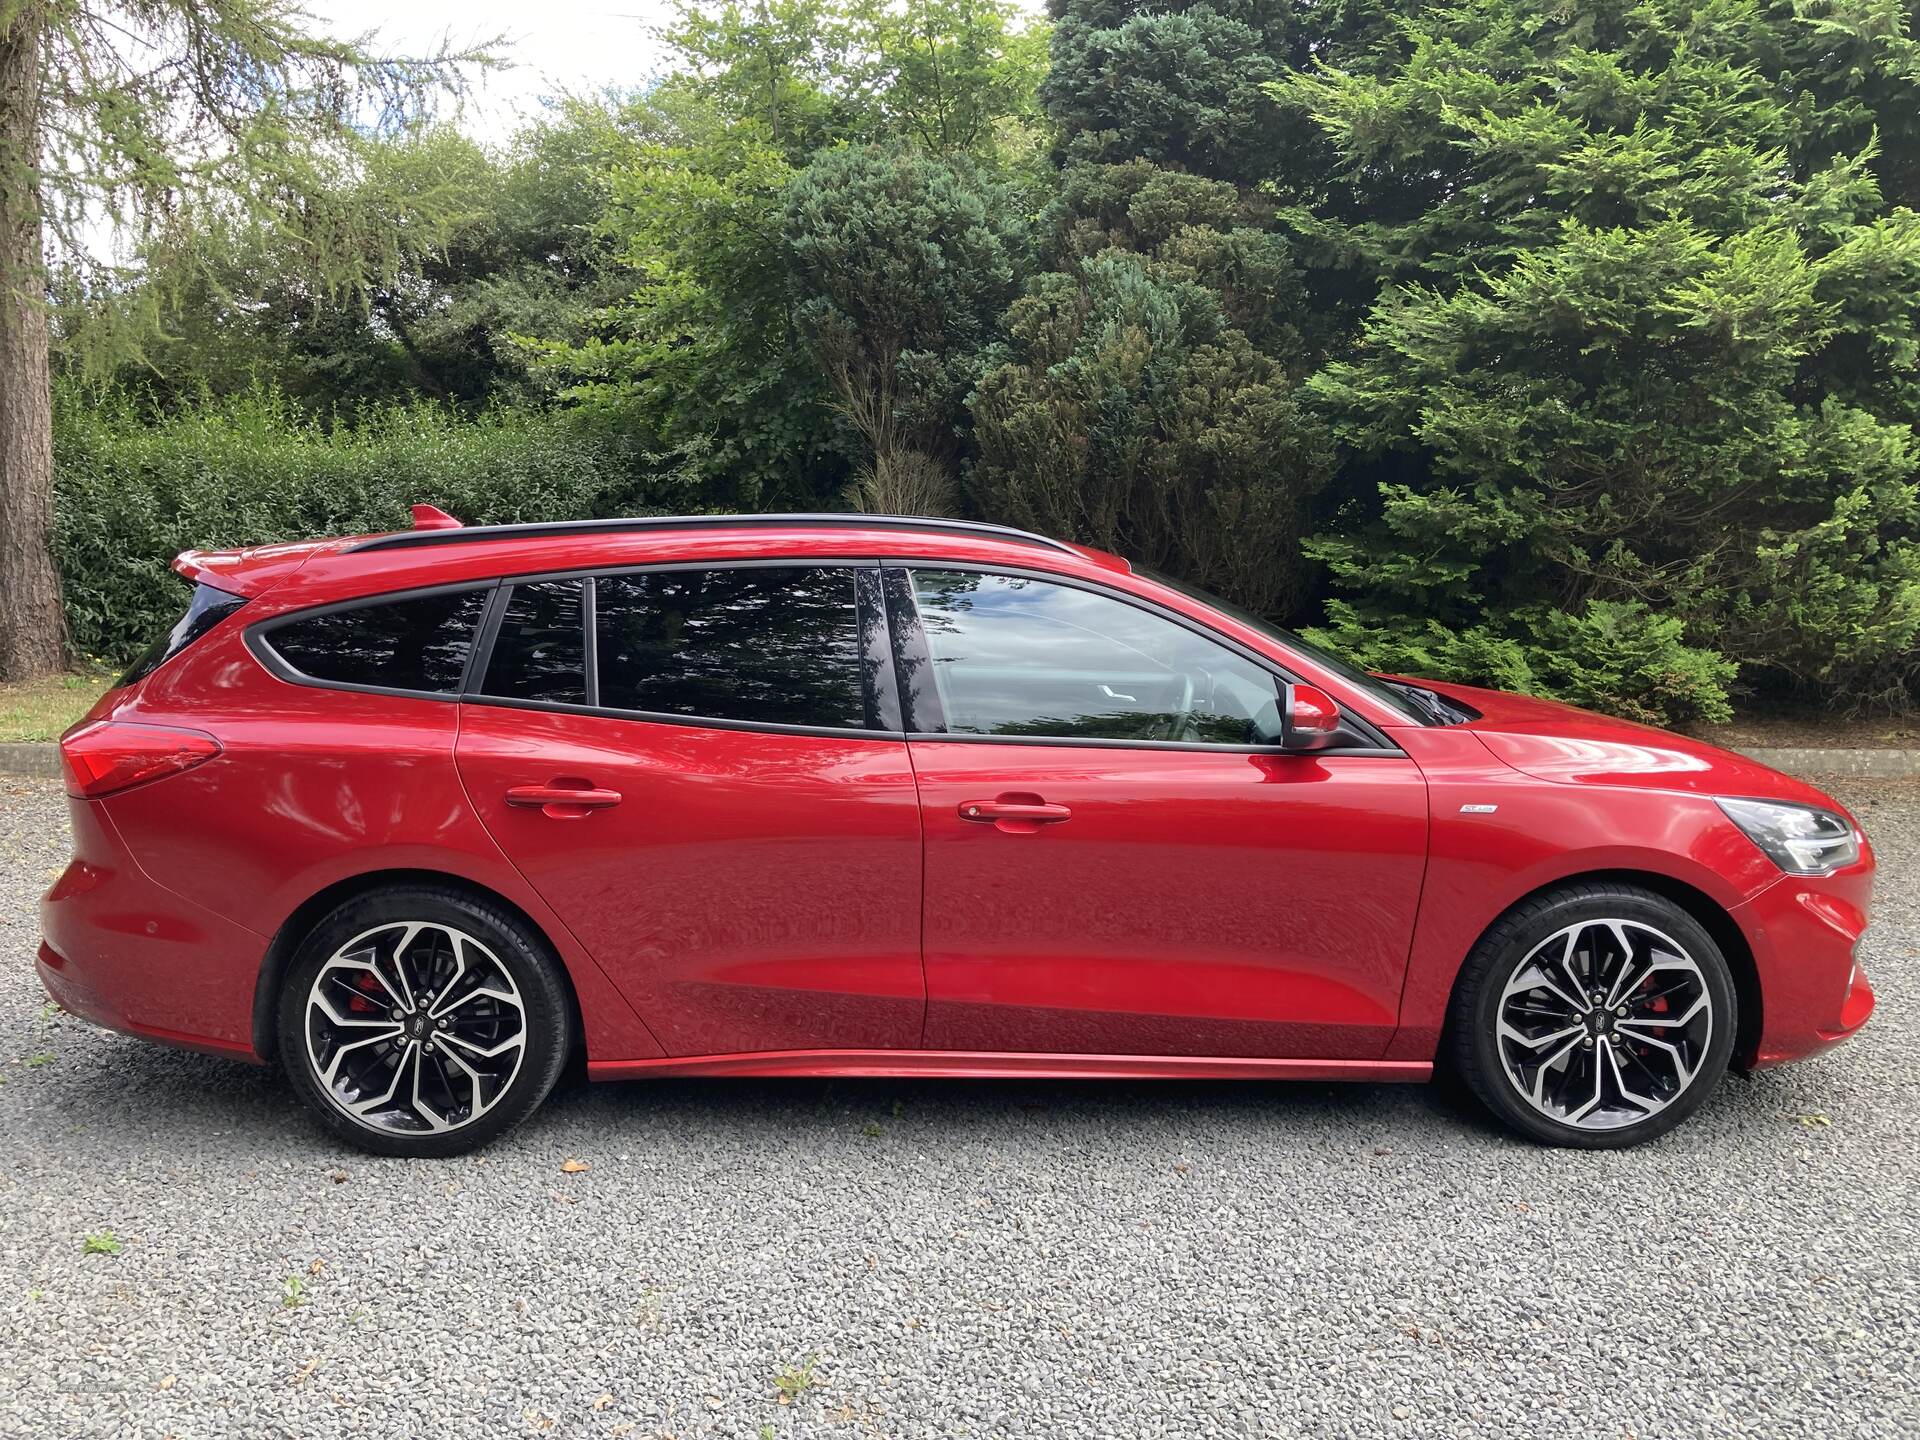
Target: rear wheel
(420,1021)
(1595,1016)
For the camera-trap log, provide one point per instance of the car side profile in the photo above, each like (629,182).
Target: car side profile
(427,817)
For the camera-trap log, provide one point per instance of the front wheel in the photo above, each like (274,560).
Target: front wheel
(422,1022)
(1595,1016)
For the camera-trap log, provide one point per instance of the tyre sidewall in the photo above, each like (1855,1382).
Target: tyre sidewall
(542,993)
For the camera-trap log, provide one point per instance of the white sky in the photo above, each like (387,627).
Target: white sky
(556,45)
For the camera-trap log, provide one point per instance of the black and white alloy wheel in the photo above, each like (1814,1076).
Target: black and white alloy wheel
(1604,1023)
(422,1022)
(1594,1016)
(415,1027)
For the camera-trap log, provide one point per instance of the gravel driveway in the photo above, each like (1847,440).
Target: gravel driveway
(933,1259)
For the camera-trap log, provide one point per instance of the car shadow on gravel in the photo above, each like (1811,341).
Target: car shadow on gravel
(175,1091)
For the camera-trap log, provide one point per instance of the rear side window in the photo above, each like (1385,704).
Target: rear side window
(540,652)
(206,610)
(774,645)
(420,643)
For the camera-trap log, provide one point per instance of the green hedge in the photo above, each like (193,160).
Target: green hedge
(133,489)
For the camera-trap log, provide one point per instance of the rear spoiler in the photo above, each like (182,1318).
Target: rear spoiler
(258,568)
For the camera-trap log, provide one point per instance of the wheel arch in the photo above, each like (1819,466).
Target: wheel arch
(296,927)
(1702,907)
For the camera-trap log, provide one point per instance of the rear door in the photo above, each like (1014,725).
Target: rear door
(1115,863)
(714,794)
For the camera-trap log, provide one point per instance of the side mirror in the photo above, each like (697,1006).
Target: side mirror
(1309,720)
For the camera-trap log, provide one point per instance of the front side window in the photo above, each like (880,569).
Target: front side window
(1021,657)
(773,645)
(419,643)
(540,652)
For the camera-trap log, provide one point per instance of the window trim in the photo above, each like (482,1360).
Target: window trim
(899,593)
(866,595)
(259,643)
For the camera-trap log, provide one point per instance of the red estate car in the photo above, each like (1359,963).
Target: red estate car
(425,816)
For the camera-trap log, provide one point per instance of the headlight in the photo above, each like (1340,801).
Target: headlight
(1798,838)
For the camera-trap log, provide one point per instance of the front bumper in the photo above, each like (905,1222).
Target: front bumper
(1805,936)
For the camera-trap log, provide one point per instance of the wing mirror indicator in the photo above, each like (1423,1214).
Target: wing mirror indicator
(1310,720)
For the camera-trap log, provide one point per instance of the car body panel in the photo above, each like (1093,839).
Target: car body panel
(1196,901)
(751,890)
(315,787)
(1010,1065)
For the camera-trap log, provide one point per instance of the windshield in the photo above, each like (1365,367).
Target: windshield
(1388,695)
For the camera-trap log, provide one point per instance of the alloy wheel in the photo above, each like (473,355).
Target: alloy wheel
(1604,1024)
(415,1027)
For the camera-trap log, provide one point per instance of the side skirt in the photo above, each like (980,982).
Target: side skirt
(993,1065)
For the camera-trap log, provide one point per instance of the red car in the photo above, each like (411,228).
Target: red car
(427,817)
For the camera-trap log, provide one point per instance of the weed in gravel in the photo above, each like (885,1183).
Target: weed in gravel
(793,1381)
(104,1243)
(293,1292)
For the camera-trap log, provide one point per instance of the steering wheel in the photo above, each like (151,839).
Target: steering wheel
(1179,725)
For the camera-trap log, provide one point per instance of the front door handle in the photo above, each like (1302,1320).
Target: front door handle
(1014,814)
(562,800)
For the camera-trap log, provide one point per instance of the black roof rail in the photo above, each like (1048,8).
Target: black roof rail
(415,539)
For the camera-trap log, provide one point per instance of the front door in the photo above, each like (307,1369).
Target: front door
(1114,865)
(712,803)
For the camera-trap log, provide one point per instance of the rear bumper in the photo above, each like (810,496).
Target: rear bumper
(73,995)
(127,953)
(1805,936)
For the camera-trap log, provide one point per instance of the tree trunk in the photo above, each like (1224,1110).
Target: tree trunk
(32,629)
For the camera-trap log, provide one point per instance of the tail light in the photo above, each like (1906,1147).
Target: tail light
(113,755)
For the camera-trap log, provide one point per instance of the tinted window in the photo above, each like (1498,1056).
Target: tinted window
(779,645)
(1025,657)
(206,610)
(540,652)
(417,644)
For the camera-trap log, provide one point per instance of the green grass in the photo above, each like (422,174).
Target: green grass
(41,709)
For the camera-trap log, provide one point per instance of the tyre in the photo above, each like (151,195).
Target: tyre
(1595,1016)
(421,1021)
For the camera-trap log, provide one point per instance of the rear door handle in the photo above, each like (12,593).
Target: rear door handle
(1014,814)
(560,801)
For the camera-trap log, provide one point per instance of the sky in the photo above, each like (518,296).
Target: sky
(555,45)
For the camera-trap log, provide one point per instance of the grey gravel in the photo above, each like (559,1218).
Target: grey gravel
(988,1259)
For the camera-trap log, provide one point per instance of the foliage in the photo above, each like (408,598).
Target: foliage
(1131,416)
(1149,400)
(516,249)
(167,117)
(135,489)
(1622,401)
(709,354)
(951,77)
(1566,348)
(700,355)
(902,265)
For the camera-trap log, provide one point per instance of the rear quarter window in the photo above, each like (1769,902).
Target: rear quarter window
(207,609)
(420,643)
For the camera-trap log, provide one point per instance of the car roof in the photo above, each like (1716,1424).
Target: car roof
(443,552)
